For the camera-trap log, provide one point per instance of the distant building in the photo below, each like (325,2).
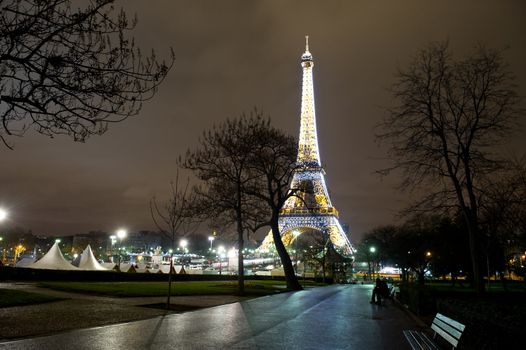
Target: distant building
(143,241)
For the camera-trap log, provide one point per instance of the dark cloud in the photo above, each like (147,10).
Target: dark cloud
(232,56)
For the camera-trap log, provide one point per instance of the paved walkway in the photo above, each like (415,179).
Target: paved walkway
(335,317)
(79,310)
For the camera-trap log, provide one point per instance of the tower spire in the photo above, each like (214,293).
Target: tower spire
(308,153)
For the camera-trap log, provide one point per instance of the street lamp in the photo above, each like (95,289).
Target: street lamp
(296,235)
(211,239)
(183,244)
(220,251)
(113,240)
(3,216)
(121,234)
(19,249)
(372,250)
(3,251)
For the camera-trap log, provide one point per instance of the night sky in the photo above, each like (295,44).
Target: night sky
(232,56)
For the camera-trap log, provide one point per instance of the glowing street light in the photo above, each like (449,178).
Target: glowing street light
(211,239)
(220,251)
(3,214)
(372,250)
(19,249)
(2,260)
(296,235)
(183,244)
(121,234)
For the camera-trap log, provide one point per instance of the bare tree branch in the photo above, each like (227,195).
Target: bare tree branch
(67,70)
(449,116)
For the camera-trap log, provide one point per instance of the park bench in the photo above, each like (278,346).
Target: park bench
(447,328)
(394,290)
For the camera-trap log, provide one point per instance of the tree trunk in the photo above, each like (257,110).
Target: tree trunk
(239,219)
(240,267)
(170,281)
(472,226)
(290,275)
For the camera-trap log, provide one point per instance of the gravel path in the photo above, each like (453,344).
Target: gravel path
(83,311)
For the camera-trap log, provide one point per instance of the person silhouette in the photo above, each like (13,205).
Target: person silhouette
(376,297)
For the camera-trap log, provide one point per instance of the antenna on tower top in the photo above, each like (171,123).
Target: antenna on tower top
(306,43)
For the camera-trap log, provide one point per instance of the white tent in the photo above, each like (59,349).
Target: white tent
(25,262)
(88,261)
(53,260)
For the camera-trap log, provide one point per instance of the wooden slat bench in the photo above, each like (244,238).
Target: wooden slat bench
(394,291)
(449,329)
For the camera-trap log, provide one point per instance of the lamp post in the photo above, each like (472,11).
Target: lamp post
(296,235)
(3,250)
(183,244)
(211,239)
(121,234)
(427,260)
(3,216)
(220,251)
(113,239)
(372,250)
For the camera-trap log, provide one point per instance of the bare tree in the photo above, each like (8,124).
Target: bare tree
(450,114)
(503,213)
(221,162)
(174,219)
(247,166)
(273,163)
(70,70)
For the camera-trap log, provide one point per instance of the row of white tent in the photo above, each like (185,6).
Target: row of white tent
(54,260)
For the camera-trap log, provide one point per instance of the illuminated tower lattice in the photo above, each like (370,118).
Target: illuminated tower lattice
(314,210)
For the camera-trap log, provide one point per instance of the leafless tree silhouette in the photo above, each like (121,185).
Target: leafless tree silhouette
(68,70)
(441,134)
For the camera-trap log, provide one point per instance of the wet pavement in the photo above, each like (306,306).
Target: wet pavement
(79,310)
(335,317)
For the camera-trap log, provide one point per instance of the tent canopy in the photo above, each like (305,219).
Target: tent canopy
(53,260)
(88,261)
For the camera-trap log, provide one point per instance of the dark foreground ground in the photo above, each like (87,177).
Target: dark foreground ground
(78,310)
(335,317)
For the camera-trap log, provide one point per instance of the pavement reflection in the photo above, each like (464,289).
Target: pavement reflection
(335,317)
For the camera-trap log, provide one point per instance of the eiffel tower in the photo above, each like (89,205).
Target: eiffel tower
(313,211)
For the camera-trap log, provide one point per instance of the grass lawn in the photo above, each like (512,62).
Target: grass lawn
(10,297)
(150,289)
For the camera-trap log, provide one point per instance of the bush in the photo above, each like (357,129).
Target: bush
(492,322)
(420,299)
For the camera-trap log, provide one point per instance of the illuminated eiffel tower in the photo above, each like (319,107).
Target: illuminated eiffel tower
(313,211)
